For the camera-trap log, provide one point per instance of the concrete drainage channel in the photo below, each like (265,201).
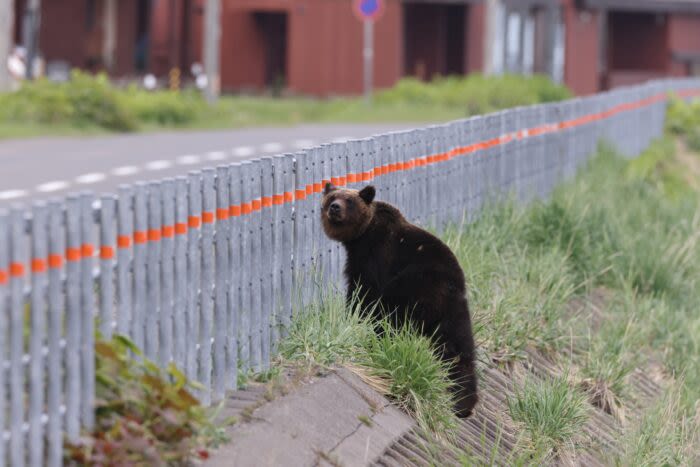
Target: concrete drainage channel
(338,420)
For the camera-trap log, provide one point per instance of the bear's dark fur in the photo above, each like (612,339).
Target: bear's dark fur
(408,272)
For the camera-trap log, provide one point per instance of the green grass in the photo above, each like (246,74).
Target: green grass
(551,411)
(91,105)
(399,362)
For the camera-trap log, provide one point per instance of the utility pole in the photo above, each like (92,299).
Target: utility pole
(7,15)
(212,35)
(109,43)
(32,24)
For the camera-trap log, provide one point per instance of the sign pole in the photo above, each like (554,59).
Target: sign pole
(368,53)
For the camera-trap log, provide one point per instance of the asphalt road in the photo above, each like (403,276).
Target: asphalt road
(42,168)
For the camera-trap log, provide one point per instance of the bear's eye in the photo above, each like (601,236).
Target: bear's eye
(350,203)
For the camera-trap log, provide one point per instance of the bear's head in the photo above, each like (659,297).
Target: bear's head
(346,213)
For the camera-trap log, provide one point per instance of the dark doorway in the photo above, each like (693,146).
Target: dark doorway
(434,39)
(273,30)
(143,21)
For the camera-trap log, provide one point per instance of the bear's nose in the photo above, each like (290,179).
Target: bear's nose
(334,208)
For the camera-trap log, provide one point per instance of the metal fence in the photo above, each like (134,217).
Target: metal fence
(203,270)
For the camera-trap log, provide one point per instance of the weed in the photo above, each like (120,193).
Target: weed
(552,412)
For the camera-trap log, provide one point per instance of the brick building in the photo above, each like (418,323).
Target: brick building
(315,46)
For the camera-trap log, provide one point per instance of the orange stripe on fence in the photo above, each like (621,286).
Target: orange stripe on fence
(140,237)
(106,252)
(222,214)
(180,228)
(208,217)
(256,205)
(38,265)
(3,277)
(300,194)
(168,231)
(266,201)
(277,199)
(73,254)
(246,208)
(154,235)
(289,196)
(194,222)
(87,250)
(123,241)
(55,261)
(234,210)
(16,269)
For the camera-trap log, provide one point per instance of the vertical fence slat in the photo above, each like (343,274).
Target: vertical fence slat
(207,285)
(266,249)
(87,352)
(245,330)
(4,308)
(194,265)
(180,328)
(125,240)
(153,271)
(18,262)
(107,251)
(139,264)
(276,252)
(167,258)
(255,220)
(236,268)
(55,359)
(221,376)
(73,319)
(37,309)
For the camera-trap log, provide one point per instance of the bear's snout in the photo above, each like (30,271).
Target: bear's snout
(334,208)
(335,211)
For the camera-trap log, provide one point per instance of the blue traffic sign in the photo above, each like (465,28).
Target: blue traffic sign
(368,10)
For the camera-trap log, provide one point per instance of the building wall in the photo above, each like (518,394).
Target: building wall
(324,46)
(581,71)
(684,37)
(476,31)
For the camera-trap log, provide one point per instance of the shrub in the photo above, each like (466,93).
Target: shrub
(83,101)
(476,94)
(144,415)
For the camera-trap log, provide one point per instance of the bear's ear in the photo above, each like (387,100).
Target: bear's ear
(367,194)
(329,188)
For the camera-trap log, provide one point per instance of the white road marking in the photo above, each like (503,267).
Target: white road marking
(52,186)
(304,143)
(91,178)
(125,170)
(216,155)
(271,147)
(189,160)
(12,194)
(158,165)
(243,151)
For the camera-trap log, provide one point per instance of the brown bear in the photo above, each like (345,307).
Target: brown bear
(409,273)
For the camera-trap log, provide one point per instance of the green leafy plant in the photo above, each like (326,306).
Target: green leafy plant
(144,415)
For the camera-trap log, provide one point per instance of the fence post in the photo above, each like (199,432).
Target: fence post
(167,258)
(194,273)
(107,251)
(87,352)
(180,321)
(55,361)
(18,260)
(37,309)
(221,306)
(236,267)
(207,285)
(266,264)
